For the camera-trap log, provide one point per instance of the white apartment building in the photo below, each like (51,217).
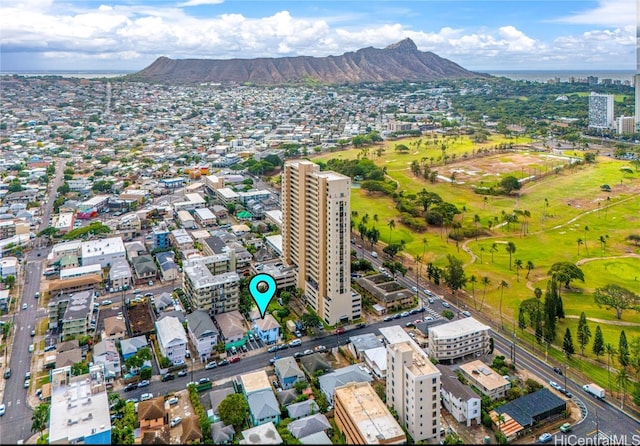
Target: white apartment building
(105,252)
(413,389)
(601,111)
(210,285)
(625,125)
(315,238)
(485,379)
(636,79)
(458,339)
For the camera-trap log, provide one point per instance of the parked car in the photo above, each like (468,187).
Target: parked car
(223,362)
(283,346)
(27,383)
(466,313)
(175,421)
(404,314)
(143,383)
(211,365)
(204,380)
(234,359)
(295,343)
(182,373)
(25,306)
(339,330)
(168,377)
(361,325)
(7,373)
(274,359)
(146,396)
(129,387)
(132,400)
(173,401)
(31,348)
(388,318)
(320,348)
(307,352)
(2,409)
(272,349)
(33,333)
(298,334)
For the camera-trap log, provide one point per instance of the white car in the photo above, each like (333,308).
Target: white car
(211,365)
(2,409)
(175,421)
(555,385)
(31,348)
(25,306)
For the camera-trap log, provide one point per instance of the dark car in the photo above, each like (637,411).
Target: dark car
(272,349)
(223,363)
(283,346)
(558,370)
(168,377)
(361,325)
(129,387)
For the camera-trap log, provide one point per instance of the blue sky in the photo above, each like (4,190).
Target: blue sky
(479,35)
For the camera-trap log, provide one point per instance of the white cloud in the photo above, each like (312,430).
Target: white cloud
(140,34)
(201,2)
(607,13)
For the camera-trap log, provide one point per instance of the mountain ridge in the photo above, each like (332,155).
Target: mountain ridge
(400,61)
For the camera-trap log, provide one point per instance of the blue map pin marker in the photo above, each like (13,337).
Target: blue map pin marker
(262,298)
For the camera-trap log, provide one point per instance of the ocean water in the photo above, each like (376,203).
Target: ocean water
(80,74)
(564,75)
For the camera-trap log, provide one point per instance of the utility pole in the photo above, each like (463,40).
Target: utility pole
(565,376)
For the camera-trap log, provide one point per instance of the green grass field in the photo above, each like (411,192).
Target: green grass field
(564,207)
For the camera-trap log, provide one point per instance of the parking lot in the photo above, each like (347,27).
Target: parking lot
(253,343)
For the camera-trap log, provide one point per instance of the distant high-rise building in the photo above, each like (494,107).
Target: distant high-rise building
(625,125)
(315,238)
(592,80)
(636,80)
(413,389)
(601,111)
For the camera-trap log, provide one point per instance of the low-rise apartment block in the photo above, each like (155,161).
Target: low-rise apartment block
(458,339)
(485,379)
(208,291)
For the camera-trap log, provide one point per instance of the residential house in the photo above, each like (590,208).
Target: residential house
(120,277)
(340,377)
(313,364)
(152,414)
(376,360)
(359,344)
(267,329)
(191,432)
(172,339)
(106,353)
(168,266)
(232,327)
(263,407)
(216,397)
(309,425)
(202,332)
(221,433)
(163,301)
(302,409)
(288,372)
(114,328)
(130,347)
(315,439)
(67,358)
(459,399)
(144,268)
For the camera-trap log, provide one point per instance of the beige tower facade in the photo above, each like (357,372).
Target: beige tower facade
(315,238)
(413,389)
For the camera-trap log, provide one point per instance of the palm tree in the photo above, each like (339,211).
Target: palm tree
(623,381)
(503,285)
(586,248)
(473,280)
(518,265)
(481,251)
(603,242)
(611,351)
(530,266)
(476,220)
(40,418)
(511,248)
(485,281)
(392,225)
(500,420)
(494,248)
(580,242)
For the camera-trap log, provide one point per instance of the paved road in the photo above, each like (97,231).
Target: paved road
(16,423)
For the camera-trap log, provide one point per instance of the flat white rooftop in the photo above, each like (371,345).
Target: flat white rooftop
(458,328)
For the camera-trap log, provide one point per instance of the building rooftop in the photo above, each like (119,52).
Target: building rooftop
(80,270)
(365,408)
(484,374)
(455,329)
(421,365)
(451,384)
(394,334)
(80,304)
(262,434)
(100,247)
(79,405)
(255,381)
